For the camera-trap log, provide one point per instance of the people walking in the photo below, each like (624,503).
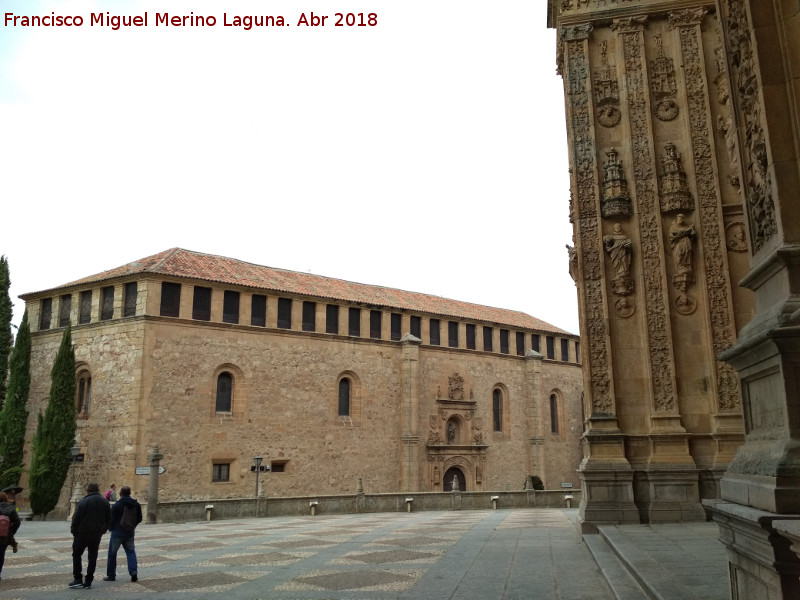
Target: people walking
(126,514)
(91,520)
(7,529)
(111,493)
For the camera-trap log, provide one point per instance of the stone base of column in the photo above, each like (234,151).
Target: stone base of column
(668,496)
(606,497)
(709,481)
(762,563)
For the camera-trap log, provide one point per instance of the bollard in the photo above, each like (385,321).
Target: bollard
(209,508)
(494,502)
(568,500)
(313,504)
(408,503)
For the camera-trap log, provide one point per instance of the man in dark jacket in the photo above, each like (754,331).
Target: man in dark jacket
(90,521)
(122,534)
(9,510)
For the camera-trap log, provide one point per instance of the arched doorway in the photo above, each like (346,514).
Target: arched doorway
(448,479)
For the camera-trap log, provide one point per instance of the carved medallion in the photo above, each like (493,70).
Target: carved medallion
(735,237)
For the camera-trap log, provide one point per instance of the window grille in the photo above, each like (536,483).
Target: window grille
(224,392)
(535,342)
(258,310)
(45,313)
(452,334)
(65,310)
(230,307)
(220,472)
(285,313)
(107,308)
(488,333)
(497,410)
(553,414)
(435,331)
(354,322)
(470,336)
(332,318)
(504,341)
(131,295)
(344,397)
(520,343)
(86,307)
(396,320)
(201,303)
(170,299)
(309,316)
(415,325)
(375,317)
(564,350)
(551,347)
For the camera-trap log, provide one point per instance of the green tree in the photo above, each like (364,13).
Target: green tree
(5,324)
(55,433)
(13,416)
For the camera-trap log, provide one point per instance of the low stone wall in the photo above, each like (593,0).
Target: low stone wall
(238,508)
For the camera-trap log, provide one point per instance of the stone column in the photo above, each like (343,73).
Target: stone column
(410,468)
(152,490)
(534,409)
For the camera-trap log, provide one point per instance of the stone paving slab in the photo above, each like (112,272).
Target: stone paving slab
(470,555)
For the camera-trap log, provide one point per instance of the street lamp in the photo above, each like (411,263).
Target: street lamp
(257,464)
(74,451)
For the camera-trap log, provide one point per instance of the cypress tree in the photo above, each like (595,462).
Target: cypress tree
(55,433)
(13,416)
(5,324)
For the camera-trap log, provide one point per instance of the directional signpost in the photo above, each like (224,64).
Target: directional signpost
(146,470)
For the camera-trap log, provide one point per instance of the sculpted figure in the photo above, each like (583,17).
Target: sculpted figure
(451,432)
(681,235)
(619,247)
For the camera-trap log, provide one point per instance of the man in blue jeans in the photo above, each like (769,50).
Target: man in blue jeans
(122,531)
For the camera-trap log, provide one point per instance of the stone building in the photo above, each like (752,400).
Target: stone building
(218,361)
(684,132)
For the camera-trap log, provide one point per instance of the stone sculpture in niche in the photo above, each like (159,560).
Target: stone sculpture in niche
(681,239)
(451,433)
(620,248)
(572,252)
(662,81)
(675,194)
(606,91)
(735,238)
(616,201)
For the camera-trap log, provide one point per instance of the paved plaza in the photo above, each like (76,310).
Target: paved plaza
(482,555)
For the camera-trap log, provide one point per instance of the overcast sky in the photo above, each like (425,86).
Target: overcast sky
(427,152)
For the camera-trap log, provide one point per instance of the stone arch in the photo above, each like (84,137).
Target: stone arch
(238,392)
(456,430)
(349,381)
(83,389)
(505,412)
(555,412)
(454,472)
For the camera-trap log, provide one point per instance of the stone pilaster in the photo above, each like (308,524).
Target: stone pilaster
(409,373)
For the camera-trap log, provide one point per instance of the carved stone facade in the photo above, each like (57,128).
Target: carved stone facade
(652,255)
(324,380)
(734,351)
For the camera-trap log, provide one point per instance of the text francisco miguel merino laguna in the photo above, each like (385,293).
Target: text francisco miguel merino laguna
(247,22)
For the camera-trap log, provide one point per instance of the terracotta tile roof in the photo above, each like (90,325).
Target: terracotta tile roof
(178,262)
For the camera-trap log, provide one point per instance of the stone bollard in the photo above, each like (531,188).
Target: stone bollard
(313,504)
(409,501)
(152,491)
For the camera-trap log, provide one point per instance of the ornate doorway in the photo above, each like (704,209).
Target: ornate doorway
(448,479)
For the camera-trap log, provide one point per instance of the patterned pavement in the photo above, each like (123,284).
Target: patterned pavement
(503,554)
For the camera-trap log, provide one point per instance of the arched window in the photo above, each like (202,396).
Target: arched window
(497,409)
(224,392)
(84,391)
(344,397)
(554,414)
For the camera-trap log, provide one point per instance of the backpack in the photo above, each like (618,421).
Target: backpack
(128,520)
(5,526)
(108,495)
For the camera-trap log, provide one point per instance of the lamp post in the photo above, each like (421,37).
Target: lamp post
(257,464)
(74,451)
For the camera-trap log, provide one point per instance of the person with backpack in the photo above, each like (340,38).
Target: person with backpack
(9,523)
(89,522)
(111,493)
(126,514)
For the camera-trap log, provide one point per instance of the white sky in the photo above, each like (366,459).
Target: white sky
(427,153)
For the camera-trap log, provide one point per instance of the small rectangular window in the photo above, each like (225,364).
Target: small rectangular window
(354,322)
(201,303)
(309,316)
(285,313)
(520,343)
(577,352)
(434,335)
(396,324)
(258,310)
(221,472)
(332,318)
(564,350)
(375,318)
(85,315)
(535,342)
(278,467)
(170,299)
(107,306)
(230,307)
(415,326)
(504,341)
(551,347)
(131,295)
(452,334)
(470,336)
(65,310)
(45,313)
(488,332)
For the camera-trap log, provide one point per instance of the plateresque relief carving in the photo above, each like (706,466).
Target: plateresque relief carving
(681,238)
(662,82)
(620,248)
(616,201)
(735,237)
(606,91)
(675,194)
(456,385)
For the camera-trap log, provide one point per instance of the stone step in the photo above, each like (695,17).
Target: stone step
(622,583)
